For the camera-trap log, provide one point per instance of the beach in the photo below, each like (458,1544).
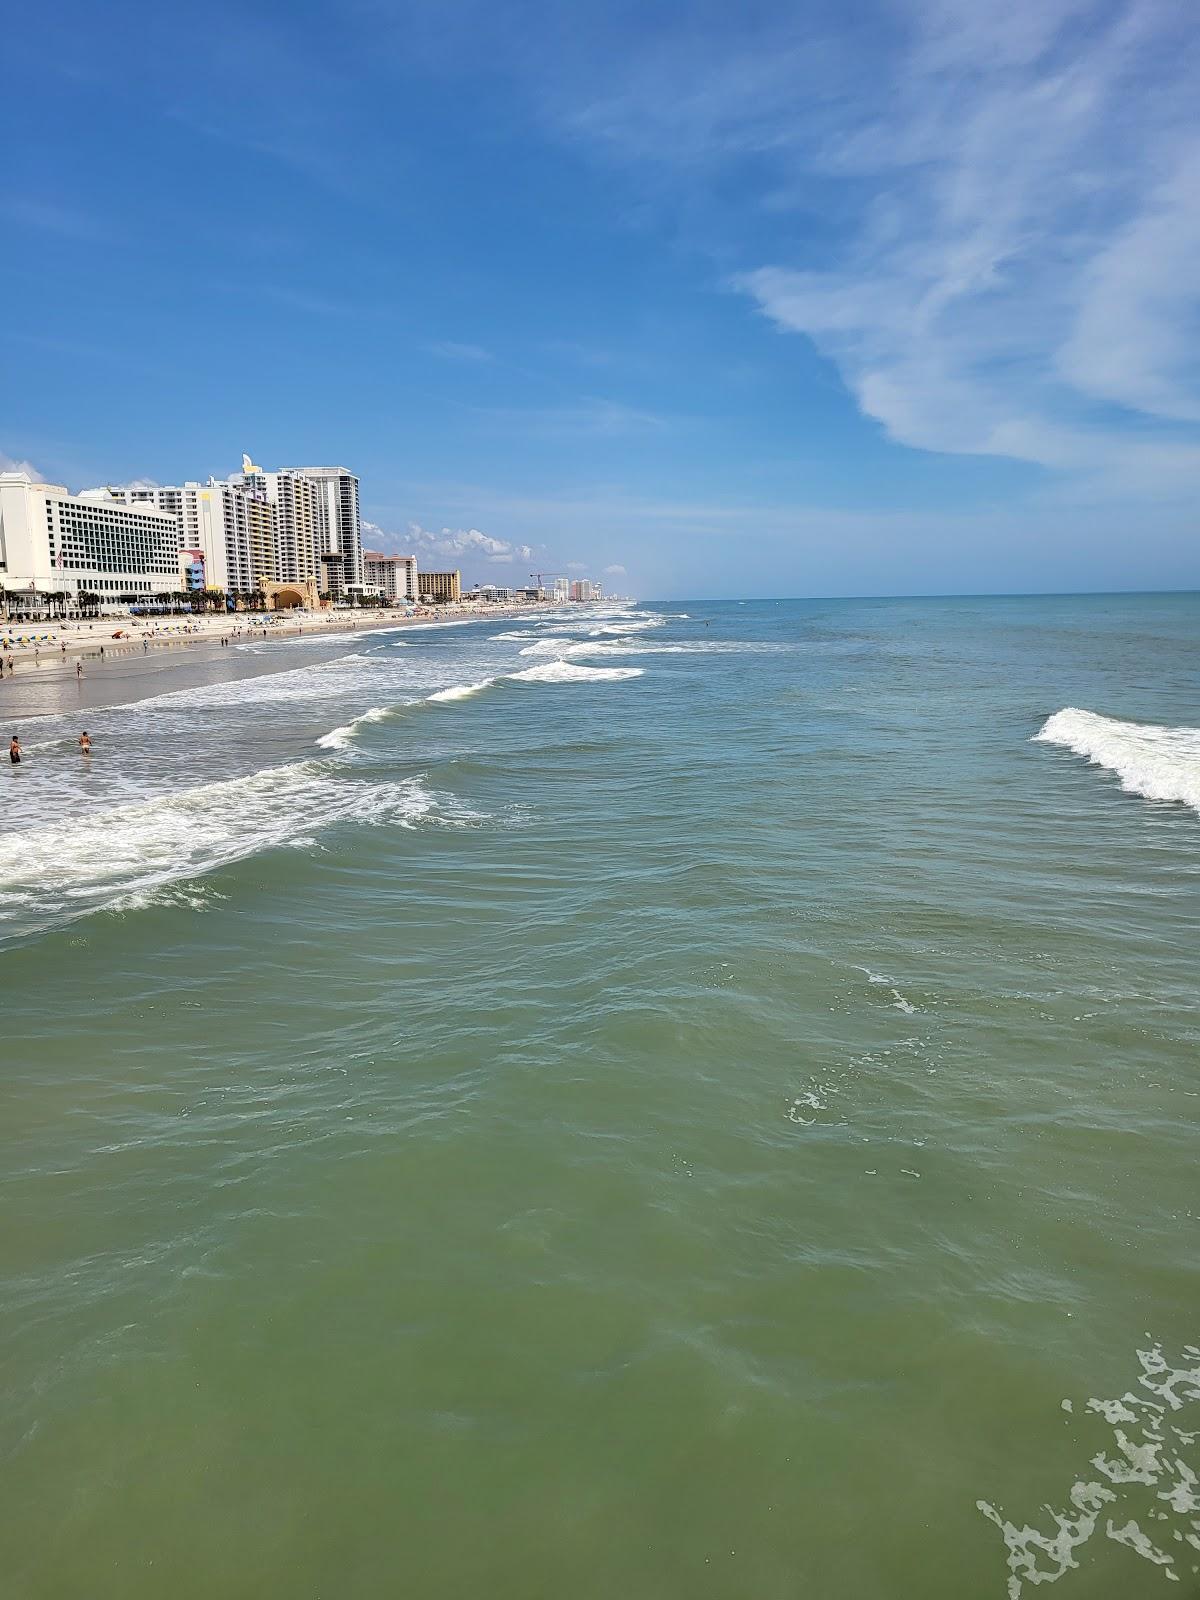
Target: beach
(43,648)
(694,1099)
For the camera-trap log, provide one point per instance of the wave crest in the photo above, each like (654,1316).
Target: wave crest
(462,691)
(1156,762)
(72,867)
(569,672)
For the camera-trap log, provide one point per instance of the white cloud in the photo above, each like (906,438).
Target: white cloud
(452,350)
(591,417)
(1018,264)
(576,566)
(997,207)
(448,544)
(1050,544)
(1134,336)
(615,571)
(9,464)
(48,215)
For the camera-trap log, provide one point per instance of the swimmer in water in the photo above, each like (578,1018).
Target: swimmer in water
(85,743)
(14,751)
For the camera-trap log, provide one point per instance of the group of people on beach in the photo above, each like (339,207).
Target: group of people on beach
(84,742)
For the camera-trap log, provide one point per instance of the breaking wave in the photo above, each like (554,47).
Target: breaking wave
(568,672)
(1156,762)
(462,691)
(339,738)
(88,862)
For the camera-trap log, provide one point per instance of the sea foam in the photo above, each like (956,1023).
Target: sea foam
(339,738)
(569,672)
(1156,762)
(462,691)
(89,861)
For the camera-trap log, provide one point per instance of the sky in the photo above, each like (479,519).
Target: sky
(867,297)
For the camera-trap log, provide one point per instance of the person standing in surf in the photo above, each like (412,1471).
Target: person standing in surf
(14,751)
(85,743)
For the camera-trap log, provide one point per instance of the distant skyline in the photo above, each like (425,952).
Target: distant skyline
(880,298)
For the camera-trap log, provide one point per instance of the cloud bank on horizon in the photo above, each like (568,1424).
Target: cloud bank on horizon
(447,544)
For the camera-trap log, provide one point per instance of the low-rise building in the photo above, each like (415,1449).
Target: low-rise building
(191,571)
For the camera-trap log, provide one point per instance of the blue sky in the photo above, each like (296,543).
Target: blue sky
(817,299)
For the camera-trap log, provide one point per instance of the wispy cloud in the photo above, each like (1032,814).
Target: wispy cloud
(615,571)
(591,418)
(309,302)
(1009,214)
(45,215)
(452,350)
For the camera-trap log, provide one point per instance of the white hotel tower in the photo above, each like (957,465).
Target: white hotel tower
(297,554)
(213,518)
(318,527)
(53,542)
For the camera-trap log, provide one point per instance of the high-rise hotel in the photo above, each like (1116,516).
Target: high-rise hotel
(339,528)
(296,527)
(217,528)
(54,543)
(318,529)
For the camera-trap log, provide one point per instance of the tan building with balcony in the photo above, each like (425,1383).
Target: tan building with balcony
(440,588)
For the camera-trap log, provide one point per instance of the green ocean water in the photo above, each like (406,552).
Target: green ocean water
(728,1130)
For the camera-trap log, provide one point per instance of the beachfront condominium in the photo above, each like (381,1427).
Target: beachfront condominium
(338,525)
(163,497)
(262,534)
(440,588)
(295,501)
(582,589)
(214,519)
(57,549)
(395,577)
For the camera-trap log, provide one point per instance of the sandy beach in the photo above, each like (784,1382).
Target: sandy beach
(55,648)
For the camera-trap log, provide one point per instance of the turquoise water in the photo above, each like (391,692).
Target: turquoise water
(728,1130)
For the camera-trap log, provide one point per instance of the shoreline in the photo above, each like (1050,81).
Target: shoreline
(94,642)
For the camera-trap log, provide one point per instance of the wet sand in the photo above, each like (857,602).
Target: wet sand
(128,673)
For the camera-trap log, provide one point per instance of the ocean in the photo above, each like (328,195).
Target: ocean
(687,1100)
